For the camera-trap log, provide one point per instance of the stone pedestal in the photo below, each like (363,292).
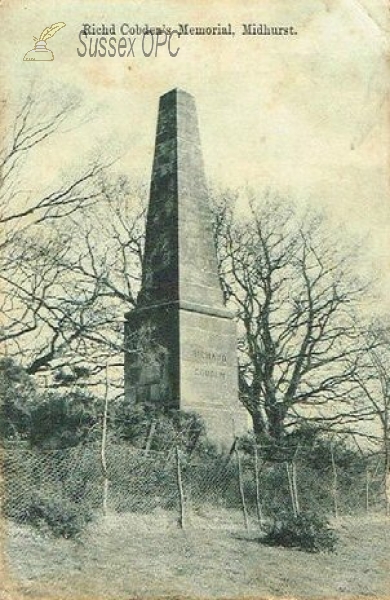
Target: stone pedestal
(181,340)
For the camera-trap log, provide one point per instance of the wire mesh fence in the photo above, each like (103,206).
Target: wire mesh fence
(62,490)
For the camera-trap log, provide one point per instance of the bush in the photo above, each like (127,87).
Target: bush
(307,532)
(56,492)
(65,419)
(18,396)
(163,429)
(57,515)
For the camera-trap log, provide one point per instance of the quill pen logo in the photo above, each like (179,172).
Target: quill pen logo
(40,52)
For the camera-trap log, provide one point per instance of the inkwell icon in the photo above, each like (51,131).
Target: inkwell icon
(40,52)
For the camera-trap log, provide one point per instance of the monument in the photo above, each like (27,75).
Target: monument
(180,339)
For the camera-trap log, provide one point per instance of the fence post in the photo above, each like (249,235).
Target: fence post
(149,438)
(295,486)
(295,480)
(335,483)
(259,510)
(241,487)
(367,489)
(291,488)
(181,520)
(103,456)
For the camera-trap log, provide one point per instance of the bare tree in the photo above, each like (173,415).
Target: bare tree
(38,118)
(71,266)
(66,277)
(72,288)
(24,213)
(295,297)
(373,378)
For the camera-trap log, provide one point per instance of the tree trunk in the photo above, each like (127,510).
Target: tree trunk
(276,415)
(258,423)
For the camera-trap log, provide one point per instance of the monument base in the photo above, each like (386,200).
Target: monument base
(184,357)
(209,373)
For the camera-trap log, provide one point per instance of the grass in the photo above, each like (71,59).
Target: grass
(127,556)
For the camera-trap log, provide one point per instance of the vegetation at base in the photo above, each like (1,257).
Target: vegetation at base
(53,514)
(308,532)
(54,477)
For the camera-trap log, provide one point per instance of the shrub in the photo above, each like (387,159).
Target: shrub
(65,419)
(18,396)
(308,532)
(57,515)
(135,423)
(56,492)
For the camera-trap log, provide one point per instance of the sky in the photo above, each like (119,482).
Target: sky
(304,116)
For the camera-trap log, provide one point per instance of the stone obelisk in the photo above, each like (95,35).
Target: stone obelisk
(180,339)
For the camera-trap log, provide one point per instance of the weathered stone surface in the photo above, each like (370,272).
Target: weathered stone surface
(209,374)
(181,340)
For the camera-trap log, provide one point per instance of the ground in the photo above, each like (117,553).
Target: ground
(133,555)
